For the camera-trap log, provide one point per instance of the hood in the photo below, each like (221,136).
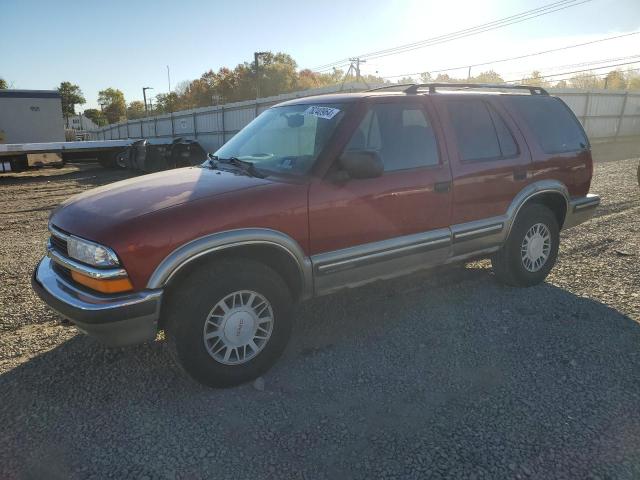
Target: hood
(125,200)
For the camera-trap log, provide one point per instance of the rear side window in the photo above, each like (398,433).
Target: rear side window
(508,145)
(553,125)
(480,131)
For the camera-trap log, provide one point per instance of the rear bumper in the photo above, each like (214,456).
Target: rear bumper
(115,320)
(580,210)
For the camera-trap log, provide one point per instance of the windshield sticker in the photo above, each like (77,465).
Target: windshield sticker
(322,112)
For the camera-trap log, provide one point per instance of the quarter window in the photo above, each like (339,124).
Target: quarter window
(401,134)
(554,126)
(480,131)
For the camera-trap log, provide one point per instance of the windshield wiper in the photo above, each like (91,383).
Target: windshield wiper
(248,167)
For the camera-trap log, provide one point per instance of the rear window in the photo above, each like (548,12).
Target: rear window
(552,123)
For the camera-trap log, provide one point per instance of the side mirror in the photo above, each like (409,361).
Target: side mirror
(361,164)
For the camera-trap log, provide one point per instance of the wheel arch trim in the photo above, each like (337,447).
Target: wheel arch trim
(227,240)
(532,191)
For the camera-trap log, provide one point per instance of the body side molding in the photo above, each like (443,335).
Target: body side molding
(199,247)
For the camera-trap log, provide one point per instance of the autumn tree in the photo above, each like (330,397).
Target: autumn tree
(615,80)
(487,77)
(71,96)
(536,79)
(3,84)
(633,80)
(115,107)
(135,110)
(586,80)
(425,77)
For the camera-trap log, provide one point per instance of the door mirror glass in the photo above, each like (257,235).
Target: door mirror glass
(361,163)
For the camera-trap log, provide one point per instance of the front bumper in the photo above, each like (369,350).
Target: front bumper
(580,210)
(115,320)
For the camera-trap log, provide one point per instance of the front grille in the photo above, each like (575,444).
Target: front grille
(59,245)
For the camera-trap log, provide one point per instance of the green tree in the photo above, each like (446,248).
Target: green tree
(135,110)
(3,84)
(96,116)
(71,96)
(115,107)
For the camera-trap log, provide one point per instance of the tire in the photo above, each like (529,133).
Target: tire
(195,310)
(535,222)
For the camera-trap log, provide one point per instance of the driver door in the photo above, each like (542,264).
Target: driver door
(362,230)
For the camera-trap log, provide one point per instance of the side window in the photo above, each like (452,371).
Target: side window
(476,136)
(552,123)
(400,133)
(508,145)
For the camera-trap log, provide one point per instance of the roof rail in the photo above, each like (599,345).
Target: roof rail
(393,85)
(413,89)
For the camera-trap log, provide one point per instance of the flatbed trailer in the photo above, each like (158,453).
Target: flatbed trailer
(17,157)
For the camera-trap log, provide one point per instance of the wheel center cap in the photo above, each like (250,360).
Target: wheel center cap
(239,328)
(535,247)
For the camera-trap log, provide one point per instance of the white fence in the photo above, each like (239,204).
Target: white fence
(605,114)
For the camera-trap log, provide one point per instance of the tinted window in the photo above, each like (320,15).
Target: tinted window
(475,133)
(401,134)
(508,145)
(553,125)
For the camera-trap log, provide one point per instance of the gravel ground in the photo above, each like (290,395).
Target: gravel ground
(438,375)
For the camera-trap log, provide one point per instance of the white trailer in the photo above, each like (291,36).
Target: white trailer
(30,116)
(16,157)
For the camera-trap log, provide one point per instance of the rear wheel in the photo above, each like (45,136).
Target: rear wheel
(229,323)
(531,250)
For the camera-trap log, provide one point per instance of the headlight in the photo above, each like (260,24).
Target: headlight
(91,253)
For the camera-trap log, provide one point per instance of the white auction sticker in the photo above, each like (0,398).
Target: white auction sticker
(322,112)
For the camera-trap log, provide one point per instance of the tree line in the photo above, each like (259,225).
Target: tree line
(278,73)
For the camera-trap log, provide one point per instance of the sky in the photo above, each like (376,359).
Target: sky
(128,44)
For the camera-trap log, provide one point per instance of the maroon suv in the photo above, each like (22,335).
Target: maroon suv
(315,195)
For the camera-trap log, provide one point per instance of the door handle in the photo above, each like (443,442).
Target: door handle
(519,174)
(442,187)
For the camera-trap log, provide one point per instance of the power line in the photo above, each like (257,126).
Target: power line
(573,65)
(517,18)
(578,71)
(567,47)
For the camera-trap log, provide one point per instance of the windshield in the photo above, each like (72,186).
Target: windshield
(285,139)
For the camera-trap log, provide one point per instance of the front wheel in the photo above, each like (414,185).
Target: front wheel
(229,322)
(531,250)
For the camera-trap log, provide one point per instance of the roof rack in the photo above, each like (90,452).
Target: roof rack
(413,89)
(393,85)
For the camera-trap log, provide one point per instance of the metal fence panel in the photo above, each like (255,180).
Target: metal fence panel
(603,113)
(183,125)
(163,126)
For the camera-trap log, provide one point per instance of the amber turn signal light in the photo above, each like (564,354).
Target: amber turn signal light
(103,286)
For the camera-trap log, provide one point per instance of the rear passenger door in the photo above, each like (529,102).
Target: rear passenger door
(489,159)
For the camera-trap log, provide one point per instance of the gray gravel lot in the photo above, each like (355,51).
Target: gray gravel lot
(439,375)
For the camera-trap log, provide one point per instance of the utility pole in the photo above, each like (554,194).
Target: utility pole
(170,102)
(144,96)
(469,73)
(357,62)
(256,57)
